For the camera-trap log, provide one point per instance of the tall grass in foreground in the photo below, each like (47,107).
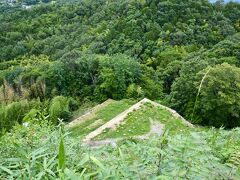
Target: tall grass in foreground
(40,151)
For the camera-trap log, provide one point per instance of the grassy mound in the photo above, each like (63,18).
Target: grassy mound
(99,118)
(139,123)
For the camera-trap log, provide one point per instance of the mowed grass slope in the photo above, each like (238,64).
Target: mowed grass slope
(102,116)
(139,123)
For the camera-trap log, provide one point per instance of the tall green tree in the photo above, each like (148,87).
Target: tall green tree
(219,101)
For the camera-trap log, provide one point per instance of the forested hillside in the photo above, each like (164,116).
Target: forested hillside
(137,28)
(94,50)
(76,75)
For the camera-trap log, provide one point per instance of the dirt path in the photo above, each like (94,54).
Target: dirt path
(89,114)
(112,124)
(157,129)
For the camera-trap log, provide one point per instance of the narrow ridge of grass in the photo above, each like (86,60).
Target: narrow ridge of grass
(105,114)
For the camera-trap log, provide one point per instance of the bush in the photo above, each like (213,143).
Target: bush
(73,104)
(134,91)
(13,113)
(59,109)
(32,153)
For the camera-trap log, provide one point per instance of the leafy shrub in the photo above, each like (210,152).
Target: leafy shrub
(13,113)
(235,158)
(73,104)
(32,154)
(59,109)
(134,91)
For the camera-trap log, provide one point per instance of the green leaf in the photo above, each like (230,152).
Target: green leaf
(72,175)
(120,152)
(97,162)
(61,155)
(6,170)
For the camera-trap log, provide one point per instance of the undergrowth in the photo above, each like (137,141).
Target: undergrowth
(41,151)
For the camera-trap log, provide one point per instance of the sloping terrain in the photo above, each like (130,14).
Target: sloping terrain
(138,120)
(97,117)
(91,113)
(156,129)
(113,120)
(147,119)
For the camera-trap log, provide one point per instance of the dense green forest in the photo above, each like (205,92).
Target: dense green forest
(59,58)
(94,50)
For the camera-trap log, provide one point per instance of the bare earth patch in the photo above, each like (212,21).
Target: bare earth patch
(156,129)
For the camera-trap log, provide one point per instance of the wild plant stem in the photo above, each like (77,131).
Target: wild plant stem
(199,90)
